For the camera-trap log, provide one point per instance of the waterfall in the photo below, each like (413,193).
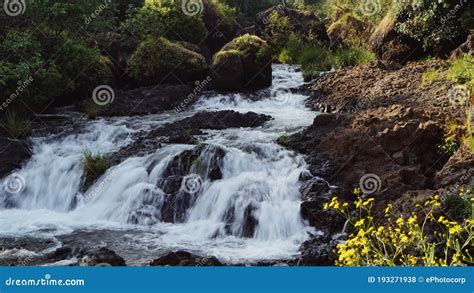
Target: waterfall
(235,196)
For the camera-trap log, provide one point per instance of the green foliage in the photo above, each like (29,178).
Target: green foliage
(371,13)
(277,31)
(283,140)
(315,59)
(16,125)
(430,22)
(227,14)
(165,19)
(155,58)
(94,167)
(462,70)
(429,76)
(448,147)
(457,207)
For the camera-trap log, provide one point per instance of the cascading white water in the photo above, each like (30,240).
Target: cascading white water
(259,179)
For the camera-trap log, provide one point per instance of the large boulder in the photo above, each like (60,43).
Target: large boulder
(303,22)
(465,48)
(388,45)
(348,30)
(185,259)
(159,60)
(246,62)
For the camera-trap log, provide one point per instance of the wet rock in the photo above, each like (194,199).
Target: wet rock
(13,153)
(101,257)
(315,252)
(185,259)
(184,132)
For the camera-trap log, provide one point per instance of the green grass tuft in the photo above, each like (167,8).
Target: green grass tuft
(94,167)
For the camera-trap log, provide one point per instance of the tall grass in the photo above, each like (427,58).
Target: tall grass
(94,167)
(317,58)
(16,125)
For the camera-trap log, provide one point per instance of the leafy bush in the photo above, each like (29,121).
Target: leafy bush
(421,239)
(458,206)
(430,22)
(165,19)
(315,58)
(448,147)
(94,167)
(227,14)
(462,70)
(277,31)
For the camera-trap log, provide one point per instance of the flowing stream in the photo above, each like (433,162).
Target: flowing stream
(123,209)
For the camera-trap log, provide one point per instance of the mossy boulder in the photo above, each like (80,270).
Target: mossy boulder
(158,60)
(349,30)
(246,62)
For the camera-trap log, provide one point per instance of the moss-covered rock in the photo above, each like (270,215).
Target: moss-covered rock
(349,30)
(243,63)
(159,60)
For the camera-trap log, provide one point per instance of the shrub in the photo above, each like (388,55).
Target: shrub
(277,31)
(227,14)
(458,206)
(462,70)
(421,239)
(427,21)
(16,125)
(448,147)
(316,58)
(429,76)
(94,167)
(165,19)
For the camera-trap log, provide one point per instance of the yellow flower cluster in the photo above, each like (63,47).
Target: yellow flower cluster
(403,241)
